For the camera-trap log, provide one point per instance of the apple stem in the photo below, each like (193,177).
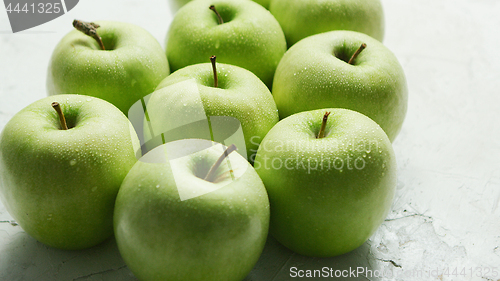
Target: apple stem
(90,29)
(211,173)
(219,18)
(358,51)
(216,80)
(321,133)
(57,107)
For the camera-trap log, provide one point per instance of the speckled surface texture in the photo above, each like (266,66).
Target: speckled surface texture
(445,220)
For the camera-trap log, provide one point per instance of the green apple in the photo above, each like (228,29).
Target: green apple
(176,4)
(245,34)
(263,3)
(302,18)
(315,73)
(191,94)
(328,194)
(172,223)
(60,185)
(130,67)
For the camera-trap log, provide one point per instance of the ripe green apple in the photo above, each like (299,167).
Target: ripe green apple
(315,73)
(130,67)
(263,3)
(328,195)
(302,18)
(190,93)
(173,224)
(177,4)
(249,36)
(60,185)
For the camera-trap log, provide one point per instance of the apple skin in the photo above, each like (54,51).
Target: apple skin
(263,3)
(177,4)
(60,185)
(302,18)
(130,68)
(310,76)
(330,210)
(250,36)
(240,94)
(216,236)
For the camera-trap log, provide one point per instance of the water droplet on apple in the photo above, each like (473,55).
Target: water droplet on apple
(72,162)
(157,186)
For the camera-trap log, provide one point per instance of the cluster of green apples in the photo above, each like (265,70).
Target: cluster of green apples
(315,165)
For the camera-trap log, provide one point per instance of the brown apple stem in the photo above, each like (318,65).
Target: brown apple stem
(211,174)
(57,108)
(90,29)
(321,133)
(219,18)
(216,80)
(358,51)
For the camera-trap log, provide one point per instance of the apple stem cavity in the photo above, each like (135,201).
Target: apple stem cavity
(57,108)
(90,29)
(211,173)
(216,80)
(321,133)
(356,54)
(219,18)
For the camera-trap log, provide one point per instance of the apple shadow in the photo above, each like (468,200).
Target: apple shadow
(280,263)
(24,258)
